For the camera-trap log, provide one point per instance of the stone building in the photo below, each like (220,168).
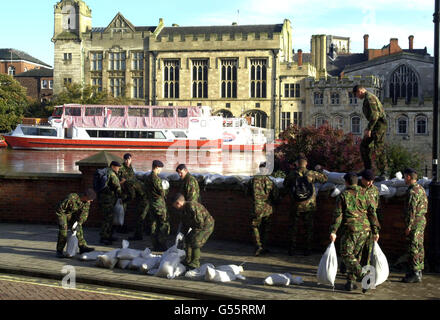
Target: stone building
(38,84)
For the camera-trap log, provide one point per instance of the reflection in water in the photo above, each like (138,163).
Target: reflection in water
(226,163)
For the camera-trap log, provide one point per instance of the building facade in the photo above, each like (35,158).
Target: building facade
(14,61)
(38,84)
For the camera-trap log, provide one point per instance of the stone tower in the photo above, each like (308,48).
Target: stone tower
(319,55)
(72,19)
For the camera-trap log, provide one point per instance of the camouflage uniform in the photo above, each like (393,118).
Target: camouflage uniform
(160,226)
(373,203)
(196,217)
(416,206)
(377,124)
(307,208)
(133,189)
(358,219)
(69,211)
(264,192)
(190,188)
(107,199)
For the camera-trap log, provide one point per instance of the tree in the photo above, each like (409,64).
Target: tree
(399,158)
(13,103)
(77,93)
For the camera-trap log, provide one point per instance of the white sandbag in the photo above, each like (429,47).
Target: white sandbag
(107,260)
(165,184)
(327,186)
(334,177)
(278,279)
(178,271)
(278,182)
(383,189)
(392,192)
(427,192)
(90,256)
(424,182)
(328,266)
(296,280)
(118,213)
(231,268)
(396,183)
(338,190)
(126,253)
(199,272)
(72,245)
(231,180)
(380,264)
(146,253)
(170,259)
(399,175)
(150,263)
(214,275)
(401,191)
(173,177)
(217,179)
(123,263)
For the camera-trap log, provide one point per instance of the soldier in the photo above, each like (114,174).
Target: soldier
(160,226)
(190,187)
(374,135)
(352,212)
(416,207)
(75,208)
(302,204)
(107,199)
(194,216)
(134,190)
(264,193)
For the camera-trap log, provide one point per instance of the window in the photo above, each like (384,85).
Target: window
(179,134)
(11,71)
(44,84)
(138,61)
(352,98)
(229,78)
(97,82)
(50,84)
(356,125)
(182,113)
(138,88)
(72,111)
(117,61)
(258,118)
(320,121)
(297,119)
(34,131)
(67,57)
(403,84)
(258,78)
(421,125)
(200,79)
(90,112)
(67,81)
(171,79)
(163,113)
(292,90)
(285,120)
(318,98)
(402,125)
(117,87)
(96,61)
(116,112)
(335,98)
(138,112)
(338,123)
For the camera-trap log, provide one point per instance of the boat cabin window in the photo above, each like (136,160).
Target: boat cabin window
(138,112)
(93,112)
(73,111)
(57,113)
(163,113)
(182,113)
(227,124)
(116,112)
(179,134)
(34,131)
(122,134)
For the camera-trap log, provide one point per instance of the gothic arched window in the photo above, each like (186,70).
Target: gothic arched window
(403,84)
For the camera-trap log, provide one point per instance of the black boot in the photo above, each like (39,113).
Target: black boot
(60,255)
(413,277)
(350,285)
(84,249)
(258,251)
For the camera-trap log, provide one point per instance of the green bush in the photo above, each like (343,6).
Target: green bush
(399,158)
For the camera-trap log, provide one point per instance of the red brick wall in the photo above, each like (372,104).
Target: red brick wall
(19,66)
(34,200)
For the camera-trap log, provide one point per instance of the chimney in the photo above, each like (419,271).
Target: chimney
(300,57)
(394,45)
(411,42)
(366,36)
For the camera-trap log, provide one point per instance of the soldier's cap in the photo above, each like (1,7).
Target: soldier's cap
(127,156)
(409,171)
(157,164)
(115,164)
(181,167)
(301,157)
(368,174)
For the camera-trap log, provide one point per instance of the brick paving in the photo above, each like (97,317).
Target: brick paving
(30,250)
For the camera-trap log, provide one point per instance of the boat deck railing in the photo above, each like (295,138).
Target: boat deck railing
(36,121)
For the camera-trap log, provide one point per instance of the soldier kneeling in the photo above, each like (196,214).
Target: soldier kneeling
(195,216)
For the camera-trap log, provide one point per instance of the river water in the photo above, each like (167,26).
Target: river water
(225,163)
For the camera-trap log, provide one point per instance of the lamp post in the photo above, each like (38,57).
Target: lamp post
(434,188)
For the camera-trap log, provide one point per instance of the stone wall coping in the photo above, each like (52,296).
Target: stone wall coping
(38,176)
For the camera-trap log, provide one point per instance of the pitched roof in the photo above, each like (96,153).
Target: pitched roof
(37,72)
(342,61)
(268,28)
(8,54)
(307,57)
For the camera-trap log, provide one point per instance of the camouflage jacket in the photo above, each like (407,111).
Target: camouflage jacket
(190,188)
(113,189)
(312,176)
(373,110)
(126,173)
(352,210)
(195,216)
(264,192)
(155,192)
(416,205)
(74,207)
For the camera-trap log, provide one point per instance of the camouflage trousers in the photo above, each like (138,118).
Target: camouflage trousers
(198,237)
(64,223)
(260,229)
(376,144)
(352,246)
(307,217)
(416,251)
(160,229)
(106,206)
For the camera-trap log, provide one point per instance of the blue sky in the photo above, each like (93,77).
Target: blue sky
(27,25)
